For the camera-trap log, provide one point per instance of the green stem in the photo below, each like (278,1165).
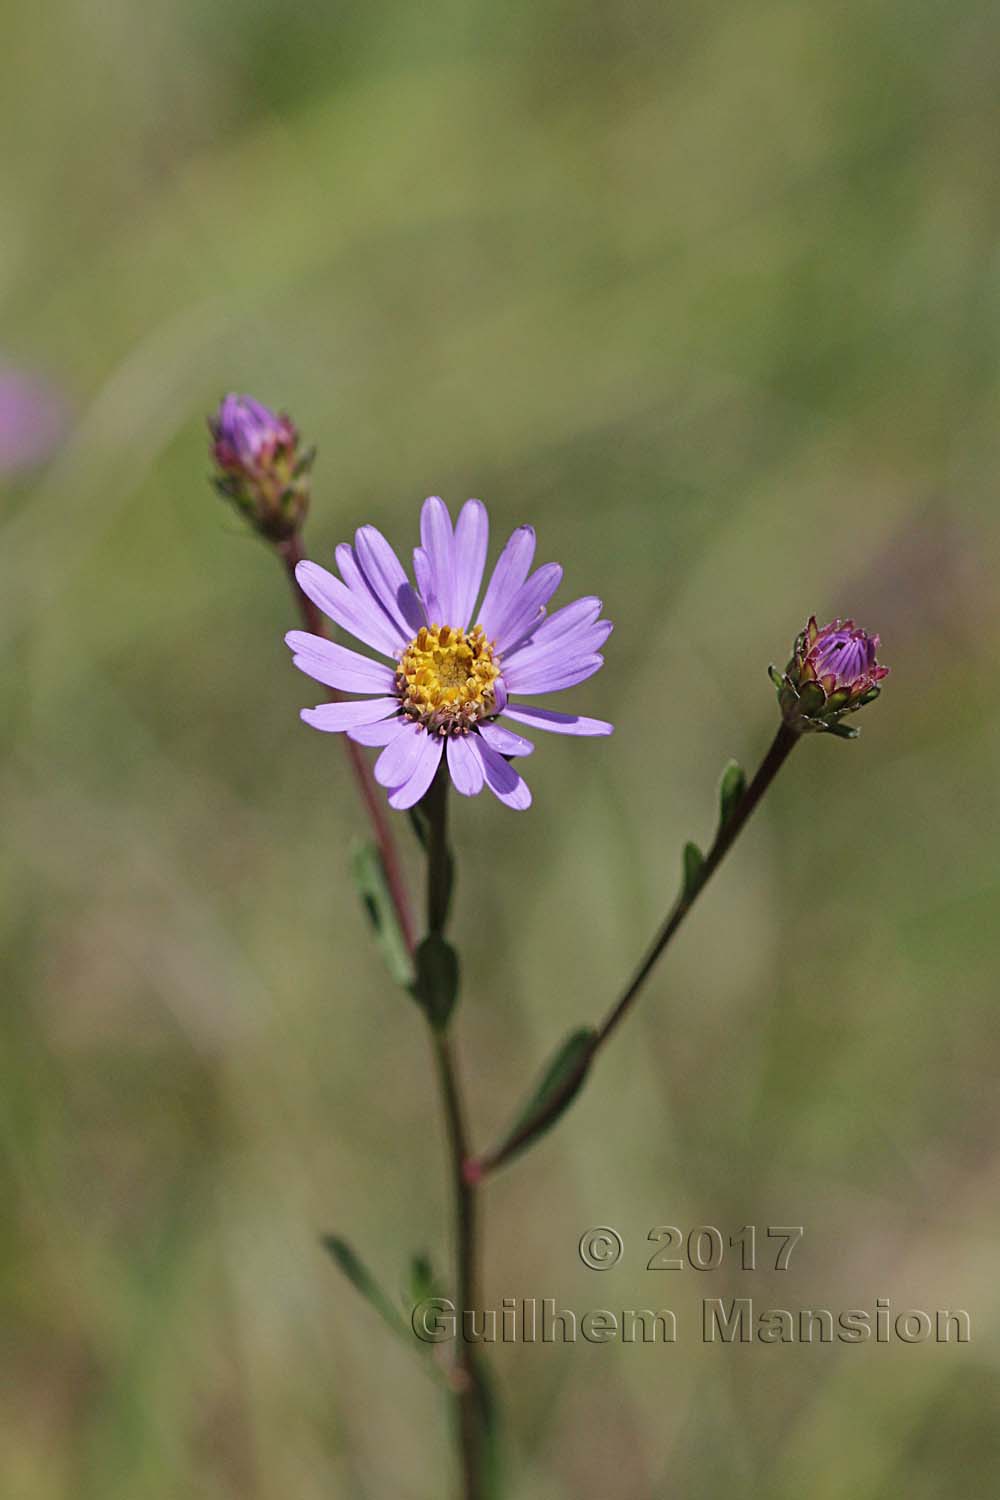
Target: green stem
(469,1394)
(439,862)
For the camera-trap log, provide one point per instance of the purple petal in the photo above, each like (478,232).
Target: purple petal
(438,543)
(378,734)
(244,430)
(567,620)
(333,717)
(553,676)
(357,583)
(472,534)
(424,574)
(465,766)
(336,666)
(578,612)
(398,760)
(522,612)
(510,572)
(501,778)
(387,579)
(587,640)
(546,718)
(411,791)
(505,741)
(348,609)
(499,695)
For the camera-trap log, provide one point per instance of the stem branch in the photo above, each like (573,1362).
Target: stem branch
(781,748)
(537,1124)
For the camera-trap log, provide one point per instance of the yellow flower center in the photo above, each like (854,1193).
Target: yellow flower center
(445,678)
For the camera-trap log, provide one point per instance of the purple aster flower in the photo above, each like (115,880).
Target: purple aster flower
(458,671)
(32,420)
(833,671)
(260,467)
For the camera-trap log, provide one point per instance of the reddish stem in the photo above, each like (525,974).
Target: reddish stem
(291,553)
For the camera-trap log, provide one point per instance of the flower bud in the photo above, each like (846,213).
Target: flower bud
(832,672)
(259,466)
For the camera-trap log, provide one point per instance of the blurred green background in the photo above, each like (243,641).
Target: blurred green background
(710,295)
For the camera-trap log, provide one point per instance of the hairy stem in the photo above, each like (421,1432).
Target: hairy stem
(291,552)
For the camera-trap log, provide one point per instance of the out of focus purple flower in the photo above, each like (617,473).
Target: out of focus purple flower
(833,672)
(32,420)
(259,465)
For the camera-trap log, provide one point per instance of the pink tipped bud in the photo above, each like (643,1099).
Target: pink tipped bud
(259,466)
(833,672)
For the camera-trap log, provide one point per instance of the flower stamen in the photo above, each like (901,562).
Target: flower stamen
(445,678)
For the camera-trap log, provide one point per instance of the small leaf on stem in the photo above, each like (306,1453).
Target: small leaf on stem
(423,1280)
(373,887)
(556,1090)
(731,789)
(364,1282)
(420,824)
(694,863)
(437,979)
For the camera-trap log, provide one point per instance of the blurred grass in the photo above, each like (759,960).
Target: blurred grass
(710,295)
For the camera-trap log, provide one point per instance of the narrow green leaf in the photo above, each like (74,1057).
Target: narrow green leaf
(778,678)
(555,1091)
(731,789)
(694,862)
(437,978)
(423,1280)
(565,1067)
(420,825)
(364,1282)
(369,877)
